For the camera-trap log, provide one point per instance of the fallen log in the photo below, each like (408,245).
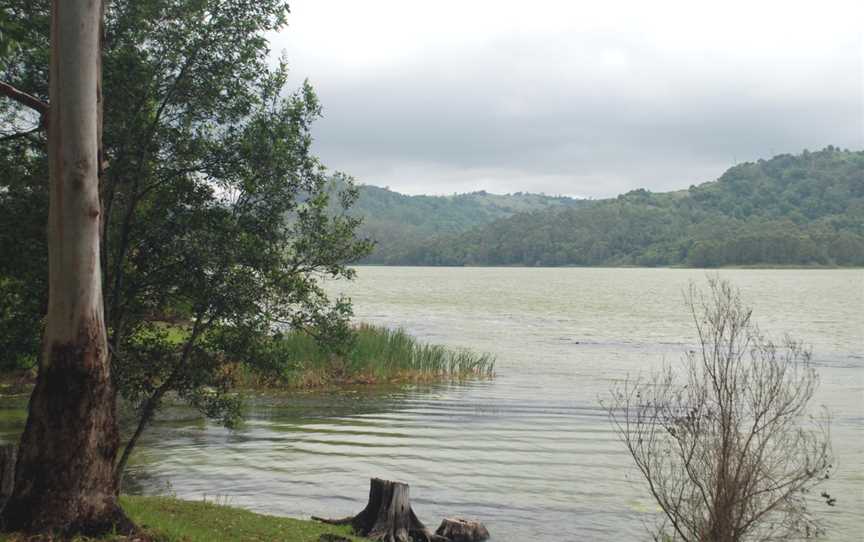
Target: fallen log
(388,516)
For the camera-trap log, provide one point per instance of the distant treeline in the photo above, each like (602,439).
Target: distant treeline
(400,223)
(806,209)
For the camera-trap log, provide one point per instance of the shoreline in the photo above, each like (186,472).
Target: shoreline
(769,267)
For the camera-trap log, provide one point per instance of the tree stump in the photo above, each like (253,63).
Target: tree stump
(462,530)
(388,516)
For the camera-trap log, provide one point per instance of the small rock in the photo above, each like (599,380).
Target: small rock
(462,530)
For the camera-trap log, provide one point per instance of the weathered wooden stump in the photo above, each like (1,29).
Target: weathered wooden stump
(462,530)
(388,516)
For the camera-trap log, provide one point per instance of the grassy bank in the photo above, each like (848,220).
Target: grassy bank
(165,519)
(378,355)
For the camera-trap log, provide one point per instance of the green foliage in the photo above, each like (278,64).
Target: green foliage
(375,354)
(791,210)
(217,216)
(23,178)
(23,253)
(398,223)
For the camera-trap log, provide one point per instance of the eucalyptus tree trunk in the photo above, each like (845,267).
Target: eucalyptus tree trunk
(64,479)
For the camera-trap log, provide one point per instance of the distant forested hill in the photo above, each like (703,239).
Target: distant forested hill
(789,210)
(401,223)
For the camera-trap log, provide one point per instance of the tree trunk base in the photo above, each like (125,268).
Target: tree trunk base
(388,516)
(18,518)
(64,481)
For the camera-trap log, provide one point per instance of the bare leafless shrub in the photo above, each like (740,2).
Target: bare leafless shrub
(726,444)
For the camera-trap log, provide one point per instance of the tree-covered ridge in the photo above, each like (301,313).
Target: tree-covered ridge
(790,210)
(399,222)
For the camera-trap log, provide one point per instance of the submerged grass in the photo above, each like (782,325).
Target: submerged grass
(379,355)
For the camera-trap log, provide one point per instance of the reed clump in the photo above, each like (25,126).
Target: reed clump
(377,355)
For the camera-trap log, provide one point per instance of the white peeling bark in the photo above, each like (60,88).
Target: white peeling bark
(75,286)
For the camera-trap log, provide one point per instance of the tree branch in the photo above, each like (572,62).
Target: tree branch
(23,98)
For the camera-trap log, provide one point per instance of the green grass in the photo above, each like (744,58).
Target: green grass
(380,355)
(175,333)
(177,520)
(166,519)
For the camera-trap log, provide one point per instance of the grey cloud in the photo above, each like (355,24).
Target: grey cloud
(590,115)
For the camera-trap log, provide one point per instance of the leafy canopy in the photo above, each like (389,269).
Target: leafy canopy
(218,220)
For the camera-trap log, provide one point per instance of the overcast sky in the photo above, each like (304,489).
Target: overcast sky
(578,98)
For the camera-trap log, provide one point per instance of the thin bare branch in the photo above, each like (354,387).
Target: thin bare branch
(27,100)
(724,445)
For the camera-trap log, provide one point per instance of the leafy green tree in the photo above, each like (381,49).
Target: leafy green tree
(217,219)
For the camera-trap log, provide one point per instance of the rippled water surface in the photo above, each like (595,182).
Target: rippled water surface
(531,452)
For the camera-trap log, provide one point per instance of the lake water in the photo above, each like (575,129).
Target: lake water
(530,453)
